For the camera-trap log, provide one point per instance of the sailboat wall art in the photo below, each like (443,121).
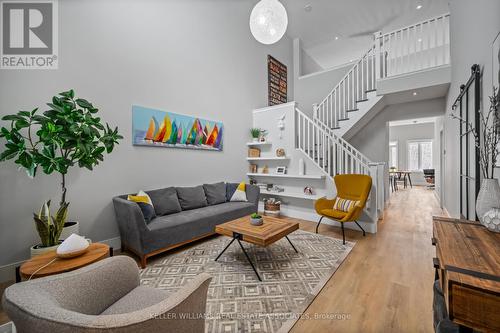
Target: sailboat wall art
(152,127)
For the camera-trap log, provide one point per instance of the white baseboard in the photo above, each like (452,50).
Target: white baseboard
(8,272)
(310,215)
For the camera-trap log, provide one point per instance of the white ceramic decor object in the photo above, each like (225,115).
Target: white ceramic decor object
(73,246)
(491,220)
(488,197)
(72,227)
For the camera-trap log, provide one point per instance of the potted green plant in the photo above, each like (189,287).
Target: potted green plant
(256,219)
(68,134)
(255,133)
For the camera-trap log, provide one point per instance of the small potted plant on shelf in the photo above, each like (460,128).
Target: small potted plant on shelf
(255,133)
(256,219)
(68,134)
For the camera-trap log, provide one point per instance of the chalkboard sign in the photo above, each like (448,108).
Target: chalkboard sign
(277,81)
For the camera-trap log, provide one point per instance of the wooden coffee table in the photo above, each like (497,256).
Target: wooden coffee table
(272,230)
(31,267)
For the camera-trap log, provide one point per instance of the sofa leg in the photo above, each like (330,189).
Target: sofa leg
(317,226)
(143,262)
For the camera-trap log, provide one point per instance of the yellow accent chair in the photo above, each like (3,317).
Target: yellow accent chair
(352,187)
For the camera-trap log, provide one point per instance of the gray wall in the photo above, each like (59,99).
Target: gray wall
(404,133)
(307,64)
(373,139)
(191,57)
(473,26)
(315,87)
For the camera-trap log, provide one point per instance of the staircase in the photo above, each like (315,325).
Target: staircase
(406,50)
(410,49)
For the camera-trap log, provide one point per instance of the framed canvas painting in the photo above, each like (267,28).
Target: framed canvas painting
(157,128)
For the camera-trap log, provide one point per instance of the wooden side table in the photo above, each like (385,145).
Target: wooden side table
(96,252)
(468,268)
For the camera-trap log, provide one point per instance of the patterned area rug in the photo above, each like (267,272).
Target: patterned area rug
(237,301)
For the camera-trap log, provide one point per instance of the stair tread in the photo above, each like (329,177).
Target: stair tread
(362,100)
(352,110)
(344,119)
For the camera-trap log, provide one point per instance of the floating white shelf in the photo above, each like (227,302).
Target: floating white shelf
(285,176)
(267,143)
(292,195)
(271,158)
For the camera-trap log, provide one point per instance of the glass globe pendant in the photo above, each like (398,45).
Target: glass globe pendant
(268,21)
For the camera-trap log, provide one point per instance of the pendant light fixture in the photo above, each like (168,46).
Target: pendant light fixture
(268,21)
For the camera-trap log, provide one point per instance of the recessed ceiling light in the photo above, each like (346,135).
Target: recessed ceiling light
(336,37)
(414,93)
(419,7)
(420,40)
(308,8)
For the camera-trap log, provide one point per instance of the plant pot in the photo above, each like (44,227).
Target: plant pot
(258,221)
(69,228)
(488,197)
(38,249)
(255,139)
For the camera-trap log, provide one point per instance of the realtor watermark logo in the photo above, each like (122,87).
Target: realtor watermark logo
(29,38)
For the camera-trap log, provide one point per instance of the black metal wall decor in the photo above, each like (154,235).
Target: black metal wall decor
(468,104)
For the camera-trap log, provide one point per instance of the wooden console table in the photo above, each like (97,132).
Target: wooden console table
(468,267)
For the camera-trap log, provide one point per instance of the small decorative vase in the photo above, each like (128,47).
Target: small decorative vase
(491,220)
(258,221)
(39,249)
(488,197)
(301,167)
(69,228)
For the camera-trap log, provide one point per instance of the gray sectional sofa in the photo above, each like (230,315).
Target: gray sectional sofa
(183,214)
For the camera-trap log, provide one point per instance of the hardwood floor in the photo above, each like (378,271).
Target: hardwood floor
(385,284)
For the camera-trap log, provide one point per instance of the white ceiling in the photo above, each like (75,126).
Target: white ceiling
(412,121)
(353,21)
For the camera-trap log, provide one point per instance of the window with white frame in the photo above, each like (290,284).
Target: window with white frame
(419,155)
(393,154)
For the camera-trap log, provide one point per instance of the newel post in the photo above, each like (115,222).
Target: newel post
(374,195)
(315,111)
(377,40)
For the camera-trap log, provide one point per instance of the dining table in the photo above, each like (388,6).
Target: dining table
(396,175)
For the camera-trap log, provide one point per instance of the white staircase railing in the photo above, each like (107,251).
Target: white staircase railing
(330,153)
(416,47)
(351,89)
(334,155)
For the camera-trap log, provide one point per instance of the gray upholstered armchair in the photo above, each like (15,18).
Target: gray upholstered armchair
(105,297)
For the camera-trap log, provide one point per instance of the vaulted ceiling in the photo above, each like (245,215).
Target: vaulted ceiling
(318,22)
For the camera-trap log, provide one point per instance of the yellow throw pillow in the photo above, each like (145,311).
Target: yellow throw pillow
(344,205)
(145,204)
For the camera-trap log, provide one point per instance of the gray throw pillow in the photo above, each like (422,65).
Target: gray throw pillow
(215,193)
(165,201)
(191,197)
